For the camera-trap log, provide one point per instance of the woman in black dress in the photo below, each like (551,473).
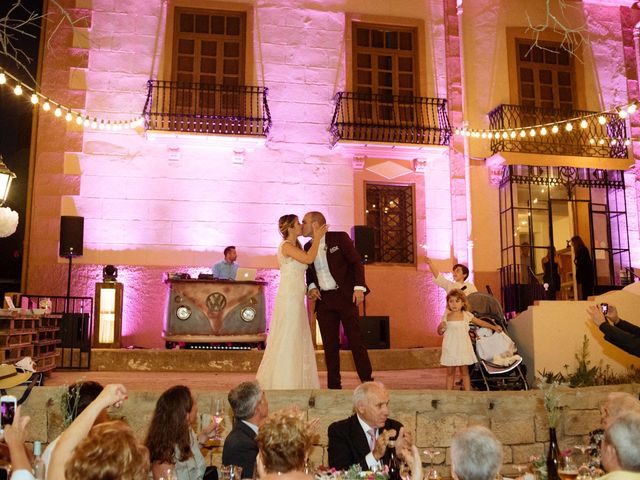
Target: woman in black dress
(550,274)
(584,267)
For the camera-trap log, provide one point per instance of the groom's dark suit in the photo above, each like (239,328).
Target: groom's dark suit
(336,306)
(348,443)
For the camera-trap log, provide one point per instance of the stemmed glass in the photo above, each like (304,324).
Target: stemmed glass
(218,416)
(432,473)
(584,471)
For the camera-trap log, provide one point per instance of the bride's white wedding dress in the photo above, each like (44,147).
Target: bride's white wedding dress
(289,361)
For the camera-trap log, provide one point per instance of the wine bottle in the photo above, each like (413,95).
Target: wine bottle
(393,463)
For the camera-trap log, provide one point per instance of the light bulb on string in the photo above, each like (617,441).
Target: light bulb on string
(602,119)
(3,79)
(34,99)
(483,135)
(613,141)
(601,141)
(543,131)
(94,123)
(584,123)
(79,120)
(68,117)
(58,112)
(505,135)
(86,122)
(592,141)
(627,142)
(457,131)
(532,132)
(18,90)
(523,134)
(622,113)
(512,134)
(632,108)
(554,129)
(568,127)
(46,106)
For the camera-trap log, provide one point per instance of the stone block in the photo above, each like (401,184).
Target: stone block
(436,430)
(580,422)
(513,431)
(522,453)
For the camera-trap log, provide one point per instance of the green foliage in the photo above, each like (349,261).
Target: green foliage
(585,375)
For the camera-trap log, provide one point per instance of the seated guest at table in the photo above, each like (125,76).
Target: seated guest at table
(362,438)
(250,409)
(78,397)
(460,274)
(621,448)
(476,454)
(618,404)
(623,335)
(171,441)
(285,442)
(226,269)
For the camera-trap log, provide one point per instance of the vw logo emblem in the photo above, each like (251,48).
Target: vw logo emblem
(216,302)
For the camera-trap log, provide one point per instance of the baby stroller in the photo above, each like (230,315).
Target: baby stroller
(499,366)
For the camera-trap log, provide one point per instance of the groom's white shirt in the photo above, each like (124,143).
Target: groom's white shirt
(326,281)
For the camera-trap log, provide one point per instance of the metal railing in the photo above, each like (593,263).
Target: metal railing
(390,118)
(206,108)
(584,142)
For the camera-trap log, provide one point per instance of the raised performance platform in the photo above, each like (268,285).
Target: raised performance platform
(245,361)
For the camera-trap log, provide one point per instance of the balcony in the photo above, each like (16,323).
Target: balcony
(207,109)
(582,142)
(393,119)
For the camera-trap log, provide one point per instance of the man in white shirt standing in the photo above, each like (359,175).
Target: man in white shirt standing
(336,282)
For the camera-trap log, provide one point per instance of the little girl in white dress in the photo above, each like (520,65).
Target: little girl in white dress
(457,349)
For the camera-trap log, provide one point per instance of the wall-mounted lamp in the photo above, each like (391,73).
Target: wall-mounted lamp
(108,315)
(6,177)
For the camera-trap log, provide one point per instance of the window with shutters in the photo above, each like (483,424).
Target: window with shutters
(208,49)
(546,75)
(385,65)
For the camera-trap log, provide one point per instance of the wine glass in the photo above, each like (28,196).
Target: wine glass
(218,416)
(169,474)
(432,473)
(585,448)
(567,469)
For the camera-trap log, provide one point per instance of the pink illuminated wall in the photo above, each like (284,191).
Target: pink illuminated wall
(156,202)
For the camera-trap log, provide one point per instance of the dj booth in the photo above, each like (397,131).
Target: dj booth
(207,311)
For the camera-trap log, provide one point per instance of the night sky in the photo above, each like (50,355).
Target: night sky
(15,136)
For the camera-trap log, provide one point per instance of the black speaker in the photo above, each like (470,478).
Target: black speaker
(375,332)
(364,243)
(71,236)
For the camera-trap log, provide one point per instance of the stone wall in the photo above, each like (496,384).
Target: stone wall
(517,418)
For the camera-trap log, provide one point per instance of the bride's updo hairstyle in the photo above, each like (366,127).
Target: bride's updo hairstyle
(285,440)
(285,223)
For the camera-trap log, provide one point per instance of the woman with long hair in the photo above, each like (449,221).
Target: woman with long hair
(289,362)
(171,441)
(584,267)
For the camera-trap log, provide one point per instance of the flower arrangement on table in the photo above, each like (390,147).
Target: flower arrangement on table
(552,405)
(354,472)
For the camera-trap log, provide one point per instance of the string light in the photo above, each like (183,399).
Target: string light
(531,131)
(35,97)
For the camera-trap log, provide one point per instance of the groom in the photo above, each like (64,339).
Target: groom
(336,281)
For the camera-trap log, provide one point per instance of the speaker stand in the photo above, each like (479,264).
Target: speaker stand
(66,302)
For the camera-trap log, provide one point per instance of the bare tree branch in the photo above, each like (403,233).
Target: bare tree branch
(572,37)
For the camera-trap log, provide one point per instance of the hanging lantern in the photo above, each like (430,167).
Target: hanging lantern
(6,177)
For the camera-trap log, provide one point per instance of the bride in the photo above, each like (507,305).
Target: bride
(289,361)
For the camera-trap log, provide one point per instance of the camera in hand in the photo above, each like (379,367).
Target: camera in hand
(604,307)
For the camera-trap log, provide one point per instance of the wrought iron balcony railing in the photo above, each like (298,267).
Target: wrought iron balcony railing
(206,108)
(390,118)
(584,142)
